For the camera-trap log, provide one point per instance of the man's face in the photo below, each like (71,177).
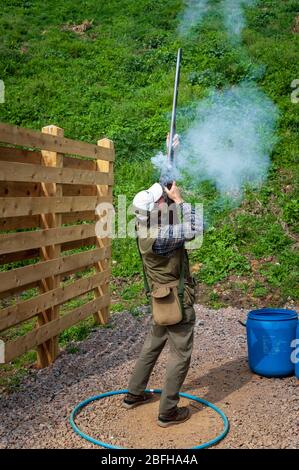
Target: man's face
(160,202)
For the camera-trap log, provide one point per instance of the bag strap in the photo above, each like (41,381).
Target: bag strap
(182,274)
(145,281)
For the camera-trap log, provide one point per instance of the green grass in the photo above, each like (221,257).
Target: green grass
(12,374)
(116,80)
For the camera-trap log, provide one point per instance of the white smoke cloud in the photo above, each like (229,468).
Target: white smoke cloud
(229,142)
(233,131)
(231,10)
(233,13)
(192,15)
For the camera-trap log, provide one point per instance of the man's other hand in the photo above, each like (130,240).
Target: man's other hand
(174,193)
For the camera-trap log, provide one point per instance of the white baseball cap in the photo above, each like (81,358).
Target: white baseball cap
(144,201)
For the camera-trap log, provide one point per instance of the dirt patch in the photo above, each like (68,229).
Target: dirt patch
(109,422)
(296,25)
(263,413)
(239,291)
(245,291)
(78,28)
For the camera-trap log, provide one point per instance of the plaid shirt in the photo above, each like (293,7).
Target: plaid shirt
(172,237)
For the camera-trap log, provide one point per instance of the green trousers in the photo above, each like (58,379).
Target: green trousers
(180,338)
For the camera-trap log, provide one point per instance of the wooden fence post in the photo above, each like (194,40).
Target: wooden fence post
(48,351)
(102,317)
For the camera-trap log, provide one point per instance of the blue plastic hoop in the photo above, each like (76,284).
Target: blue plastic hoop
(84,403)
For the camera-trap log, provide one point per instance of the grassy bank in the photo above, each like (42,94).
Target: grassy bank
(113,77)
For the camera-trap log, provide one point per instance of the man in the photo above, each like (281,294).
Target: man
(164,256)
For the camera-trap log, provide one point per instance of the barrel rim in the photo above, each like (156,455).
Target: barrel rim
(273,314)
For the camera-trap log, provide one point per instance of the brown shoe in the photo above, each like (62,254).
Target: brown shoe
(179,416)
(131,401)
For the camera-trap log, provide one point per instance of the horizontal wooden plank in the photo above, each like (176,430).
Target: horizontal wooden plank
(23,311)
(10,171)
(39,335)
(12,154)
(73,245)
(19,277)
(71,218)
(19,290)
(18,256)
(26,222)
(28,138)
(13,242)
(78,190)
(19,189)
(79,163)
(28,254)
(19,206)
(14,223)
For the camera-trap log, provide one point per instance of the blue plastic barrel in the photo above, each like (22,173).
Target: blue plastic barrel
(270,332)
(297,353)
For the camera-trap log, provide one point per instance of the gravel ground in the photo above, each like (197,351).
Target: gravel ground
(263,413)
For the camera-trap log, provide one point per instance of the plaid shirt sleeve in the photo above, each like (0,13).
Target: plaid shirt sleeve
(172,237)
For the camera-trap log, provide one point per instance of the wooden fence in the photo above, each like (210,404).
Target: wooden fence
(47,208)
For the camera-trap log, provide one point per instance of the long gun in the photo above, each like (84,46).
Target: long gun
(174,106)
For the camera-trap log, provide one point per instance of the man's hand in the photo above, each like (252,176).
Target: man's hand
(175,143)
(174,193)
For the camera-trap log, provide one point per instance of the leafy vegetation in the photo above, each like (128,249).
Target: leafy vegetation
(115,79)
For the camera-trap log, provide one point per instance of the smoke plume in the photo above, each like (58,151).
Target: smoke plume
(232,133)
(232,12)
(192,15)
(228,143)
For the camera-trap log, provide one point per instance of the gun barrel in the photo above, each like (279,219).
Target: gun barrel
(174,105)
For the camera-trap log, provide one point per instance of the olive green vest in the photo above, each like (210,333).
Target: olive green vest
(164,269)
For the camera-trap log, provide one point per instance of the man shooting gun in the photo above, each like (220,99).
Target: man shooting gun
(171,287)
